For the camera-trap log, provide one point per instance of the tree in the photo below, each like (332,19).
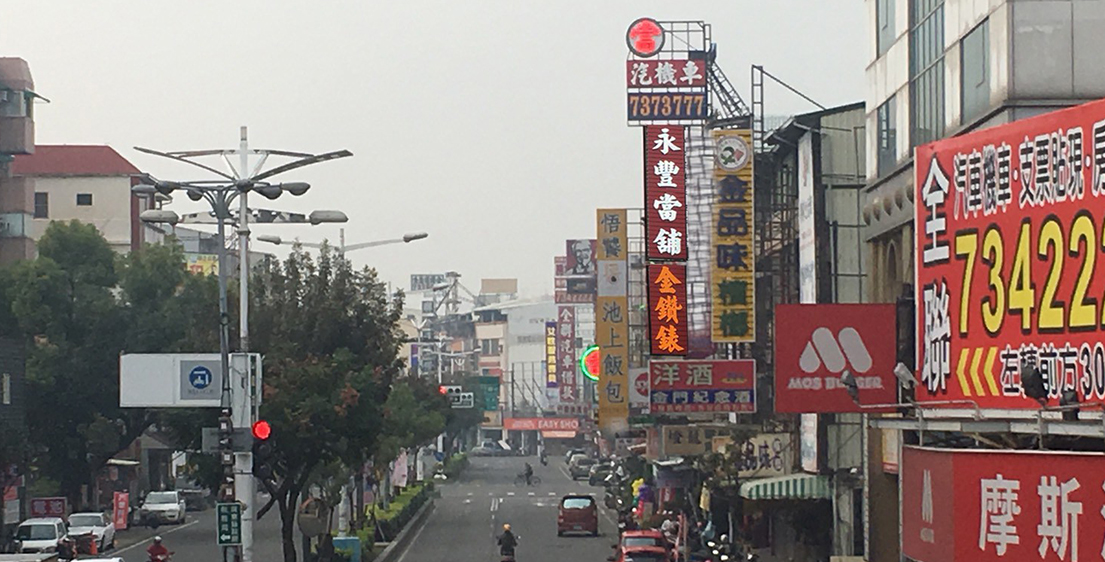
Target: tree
(331,342)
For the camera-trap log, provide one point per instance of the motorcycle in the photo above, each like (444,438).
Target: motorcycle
(161,557)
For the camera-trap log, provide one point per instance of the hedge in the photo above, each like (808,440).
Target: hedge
(402,508)
(455,464)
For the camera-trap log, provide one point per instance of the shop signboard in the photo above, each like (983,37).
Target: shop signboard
(665,193)
(961,505)
(550,354)
(612,320)
(815,344)
(1009,229)
(566,353)
(667,308)
(703,386)
(541,424)
(733,268)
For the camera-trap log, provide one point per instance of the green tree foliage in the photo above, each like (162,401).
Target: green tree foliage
(331,342)
(78,306)
(415,413)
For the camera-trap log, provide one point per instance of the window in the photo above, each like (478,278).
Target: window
(884,30)
(926,71)
(489,347)
(975,64)
(42,205)
(84,199)
(887,136)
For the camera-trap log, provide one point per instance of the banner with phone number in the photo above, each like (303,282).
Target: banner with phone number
(1009,236)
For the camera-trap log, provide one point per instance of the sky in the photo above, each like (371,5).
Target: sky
(496,126)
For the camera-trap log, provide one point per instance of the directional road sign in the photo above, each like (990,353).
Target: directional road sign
(229,518)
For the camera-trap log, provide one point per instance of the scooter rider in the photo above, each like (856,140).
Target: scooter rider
(507,542)
(157,551)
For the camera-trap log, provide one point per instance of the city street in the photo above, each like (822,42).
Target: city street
(471,512)
(194,541)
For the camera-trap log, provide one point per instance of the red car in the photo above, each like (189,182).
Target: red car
(641,554)
(649,537)
(577,514)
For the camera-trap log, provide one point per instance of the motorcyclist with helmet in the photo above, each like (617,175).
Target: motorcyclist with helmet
(157,551)
(507,543)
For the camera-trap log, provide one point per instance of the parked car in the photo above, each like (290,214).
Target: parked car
(100,526)
(163,507)
(644,538)
(577,514)
(571,453)
(580,466)
(640,554)
(488,448)
(599,472)
(41,534)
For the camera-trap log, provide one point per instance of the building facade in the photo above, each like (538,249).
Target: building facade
(17,136)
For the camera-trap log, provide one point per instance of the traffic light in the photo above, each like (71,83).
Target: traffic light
(443,390)
(262,450)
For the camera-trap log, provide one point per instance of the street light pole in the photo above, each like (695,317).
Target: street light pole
(244,484)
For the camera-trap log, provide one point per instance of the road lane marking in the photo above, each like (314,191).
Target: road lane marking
(471,494)
(552,493)
(531,494)
(150,538)
(494,504)
(510,494)
(467,501)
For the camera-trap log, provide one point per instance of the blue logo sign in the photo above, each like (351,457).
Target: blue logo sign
(200,377)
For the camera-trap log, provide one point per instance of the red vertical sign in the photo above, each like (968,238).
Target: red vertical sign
(566,353)
(667,308)
(120,508)
(665,193)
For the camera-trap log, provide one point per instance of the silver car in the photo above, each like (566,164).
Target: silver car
(96,524)
(163,507)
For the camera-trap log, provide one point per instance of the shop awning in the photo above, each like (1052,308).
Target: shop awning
(790,487)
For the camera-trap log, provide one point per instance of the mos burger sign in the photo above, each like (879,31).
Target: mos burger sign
(541,424)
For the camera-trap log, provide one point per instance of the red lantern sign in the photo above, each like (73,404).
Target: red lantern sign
(645,37)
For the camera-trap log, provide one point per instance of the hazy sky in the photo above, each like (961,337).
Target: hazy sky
(498,126)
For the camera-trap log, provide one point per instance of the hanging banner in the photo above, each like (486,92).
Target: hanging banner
(550,355)
(566,353)
(703,386)
(667,306)
(665,193)
(612,320)
(733,271)
(963,505)
(1008,233)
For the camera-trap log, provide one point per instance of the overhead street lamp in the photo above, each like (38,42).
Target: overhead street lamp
(342,247)
(221,194)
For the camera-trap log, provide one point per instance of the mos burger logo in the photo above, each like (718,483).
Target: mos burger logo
(645,37)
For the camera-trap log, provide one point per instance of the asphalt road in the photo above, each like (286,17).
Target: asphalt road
(194,540)
(471,512)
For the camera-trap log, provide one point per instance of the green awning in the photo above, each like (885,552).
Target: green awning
(790,487)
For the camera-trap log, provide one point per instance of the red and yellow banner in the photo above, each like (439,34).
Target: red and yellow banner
(733,271)
(1008,232)
(667,308)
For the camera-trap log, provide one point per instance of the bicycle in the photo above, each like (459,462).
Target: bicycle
(520,480)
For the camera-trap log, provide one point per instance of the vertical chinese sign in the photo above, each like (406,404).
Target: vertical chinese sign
(550,354)
(733,275)
(667,308)
(612,319)
(665,193)
(566,353)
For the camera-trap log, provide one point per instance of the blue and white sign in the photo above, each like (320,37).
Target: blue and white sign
(200,379)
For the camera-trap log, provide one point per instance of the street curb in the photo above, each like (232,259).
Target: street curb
(398,546)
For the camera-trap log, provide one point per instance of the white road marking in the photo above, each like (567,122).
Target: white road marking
(531,494)
(148,539)
(471,494)
(467,501)
(552,494)
(510,493)
(494,504)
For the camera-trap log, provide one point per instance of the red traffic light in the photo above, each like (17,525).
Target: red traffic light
(261,429)
(442,390)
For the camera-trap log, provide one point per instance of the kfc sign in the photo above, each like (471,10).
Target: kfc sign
(817,343)
(541,424)
(989,506)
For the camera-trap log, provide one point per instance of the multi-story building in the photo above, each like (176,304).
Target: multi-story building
(17,136)
(91,184)
(939,69)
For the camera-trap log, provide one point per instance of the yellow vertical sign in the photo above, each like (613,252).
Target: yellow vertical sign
(733,268)
(612,319)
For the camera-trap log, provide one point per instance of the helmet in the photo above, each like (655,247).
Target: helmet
(506,526)
(157,539)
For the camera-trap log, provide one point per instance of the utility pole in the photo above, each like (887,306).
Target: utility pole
(245,486)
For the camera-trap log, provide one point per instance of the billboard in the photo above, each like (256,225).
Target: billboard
(807,223)
(1009,226)
(202,264)
(667,309)
(580,258)
(702,386)
(665,193)
(425,281)
(766,455)
(677,73)
(816,343)
(612,319)
(733,271)
(566,353)
(672,87)
(987,506)
(550,354)
(541,424)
